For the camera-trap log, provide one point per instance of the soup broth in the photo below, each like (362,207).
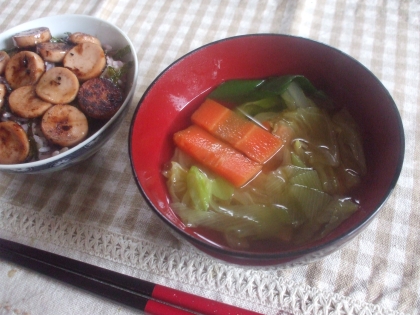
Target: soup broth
(265,163)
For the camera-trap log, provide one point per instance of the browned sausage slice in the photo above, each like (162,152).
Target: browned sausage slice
(24,68)
(58,85)
(86,60)
(99,98)
(14,143)
(64,125)
(25,103)
(53,52)
(31,37)
(79,37)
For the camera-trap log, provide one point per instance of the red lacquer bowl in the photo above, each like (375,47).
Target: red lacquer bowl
(171,98)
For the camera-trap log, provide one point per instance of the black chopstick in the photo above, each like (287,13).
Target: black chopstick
(140,294)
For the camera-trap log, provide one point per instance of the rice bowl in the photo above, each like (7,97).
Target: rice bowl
(112,37)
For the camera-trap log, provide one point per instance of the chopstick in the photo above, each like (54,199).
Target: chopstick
(140,294)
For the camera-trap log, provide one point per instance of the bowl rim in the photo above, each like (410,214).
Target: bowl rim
(127,101)
(275,257)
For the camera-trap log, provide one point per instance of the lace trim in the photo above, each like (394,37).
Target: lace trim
(185,267)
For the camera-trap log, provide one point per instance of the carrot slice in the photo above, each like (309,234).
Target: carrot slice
(209,114)
(217,155)
(255,142)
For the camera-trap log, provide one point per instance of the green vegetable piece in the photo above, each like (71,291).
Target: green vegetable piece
(176,181)
(279,85)
(271,103)
(337,211)
(258,96)
(329,179)
(297,154)
(115,74)
(291,170)
(199,188)
(310,201)
(193,218)
(60,39)
(222,189)
(350,141)
(234,91)
(289,201)
(120,53)
(283,215)
(288,100)
(296,160)
(316,131)
(295,97)
(309,179)
(274,184)
(255,221)
(298,147)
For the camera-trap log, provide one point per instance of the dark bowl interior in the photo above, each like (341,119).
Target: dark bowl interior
(169,101)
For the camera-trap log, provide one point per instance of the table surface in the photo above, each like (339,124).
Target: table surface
(94,213)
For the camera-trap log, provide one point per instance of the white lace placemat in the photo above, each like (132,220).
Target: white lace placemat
(265,290)
(93,212)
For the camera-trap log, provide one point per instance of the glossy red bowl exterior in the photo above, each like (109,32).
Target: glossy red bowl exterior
(169,101)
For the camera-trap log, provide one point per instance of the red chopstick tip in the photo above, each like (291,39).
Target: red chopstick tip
(196,303)
(156,308)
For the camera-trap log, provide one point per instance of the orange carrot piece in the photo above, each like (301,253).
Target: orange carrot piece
(255,142)
(209,114)
(258,145)
(217,155)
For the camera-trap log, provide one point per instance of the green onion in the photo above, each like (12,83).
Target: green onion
(120,53)
(115,74)
(60,39)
